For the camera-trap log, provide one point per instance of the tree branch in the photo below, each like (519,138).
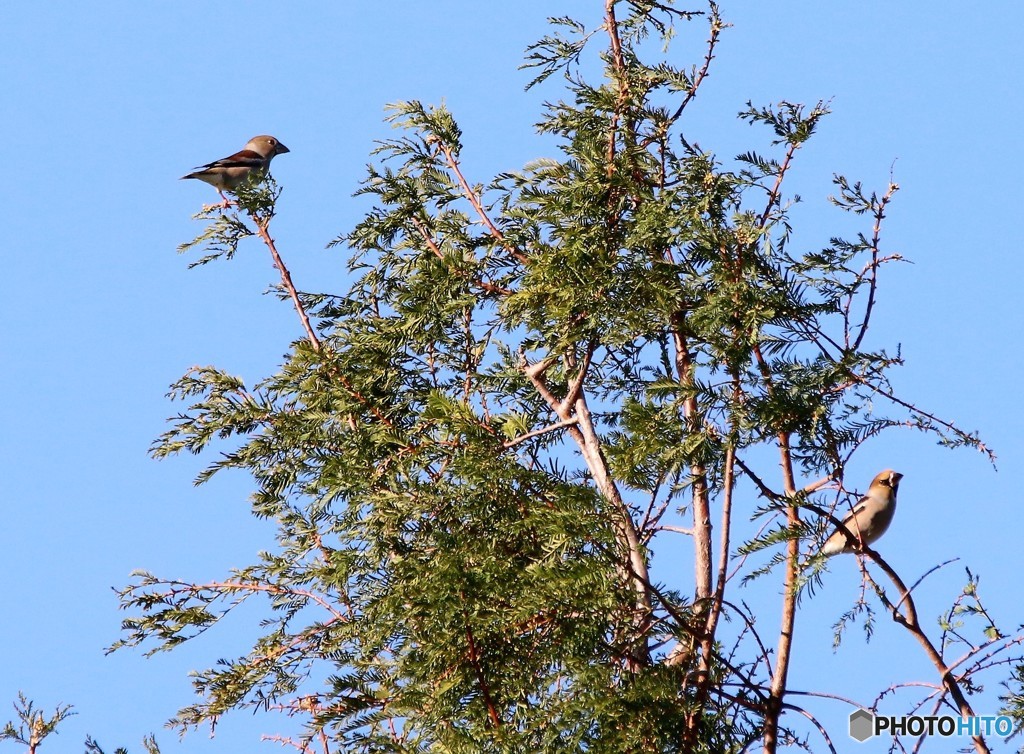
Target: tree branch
(909,620)
(873,279)
(471,195)
(542,431)
(262,227)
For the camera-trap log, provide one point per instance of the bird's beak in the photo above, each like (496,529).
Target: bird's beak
(281,149)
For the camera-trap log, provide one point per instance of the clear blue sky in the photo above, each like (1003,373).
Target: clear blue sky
(106,104)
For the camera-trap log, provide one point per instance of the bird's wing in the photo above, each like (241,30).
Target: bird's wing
(857,510)
(247,158)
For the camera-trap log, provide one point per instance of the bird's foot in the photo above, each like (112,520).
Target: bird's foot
(219,205)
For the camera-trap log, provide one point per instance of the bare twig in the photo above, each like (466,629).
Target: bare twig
(909,620)
(814,721)
(875,262)
(262,228)
(773,195)
(716,29)
(542,431)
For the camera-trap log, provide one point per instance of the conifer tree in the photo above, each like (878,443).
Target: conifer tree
(474,454)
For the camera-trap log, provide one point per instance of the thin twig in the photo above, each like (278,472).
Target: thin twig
(543,430)
(262,225)
(909,620)
(875,262)
(716,30)
(471,195)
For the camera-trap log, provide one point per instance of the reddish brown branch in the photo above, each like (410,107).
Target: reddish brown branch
(619,66)
(728,488)
(773,195)
(432,245)
(350,388)
(705,613)
(262,226)
(787,623)
(474,199)
(474,660)
(576,386)
(698,79)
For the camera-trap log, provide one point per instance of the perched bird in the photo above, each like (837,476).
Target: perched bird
(229,173)
(869,518)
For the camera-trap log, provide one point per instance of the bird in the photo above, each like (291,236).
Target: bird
(229,173)
(869,519)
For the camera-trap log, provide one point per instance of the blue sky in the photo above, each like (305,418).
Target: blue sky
(106,104)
